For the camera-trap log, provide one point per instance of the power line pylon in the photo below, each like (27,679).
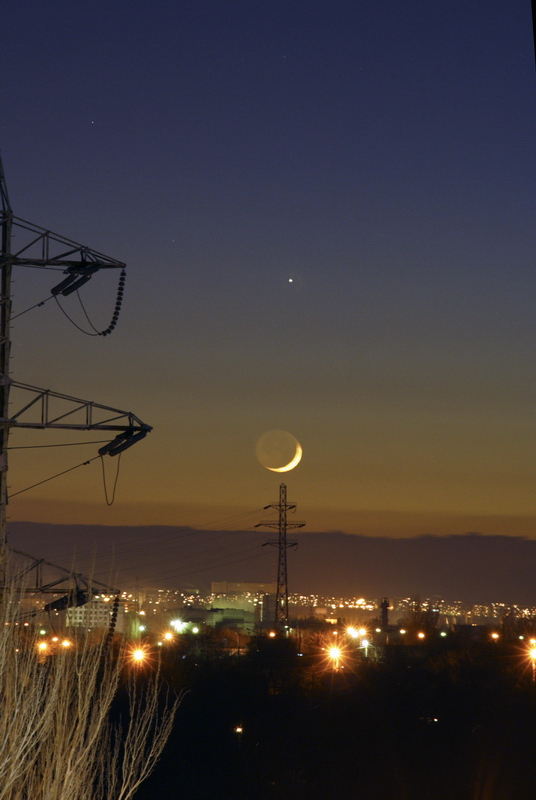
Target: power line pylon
(283,525)
(40,248)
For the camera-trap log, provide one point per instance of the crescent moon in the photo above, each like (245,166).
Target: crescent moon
(291,464)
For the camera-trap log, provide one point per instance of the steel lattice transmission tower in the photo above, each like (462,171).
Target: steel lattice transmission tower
(42,408)
(283,525)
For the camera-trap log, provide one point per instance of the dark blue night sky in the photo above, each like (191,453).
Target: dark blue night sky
(380,155)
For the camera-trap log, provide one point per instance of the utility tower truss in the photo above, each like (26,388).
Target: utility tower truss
(39,248)
(283,544)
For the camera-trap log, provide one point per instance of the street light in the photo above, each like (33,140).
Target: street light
(139,654)
(532,656)
(335,654)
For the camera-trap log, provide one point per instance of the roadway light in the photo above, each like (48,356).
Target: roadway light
(532,656)
(138,655)
(335,654)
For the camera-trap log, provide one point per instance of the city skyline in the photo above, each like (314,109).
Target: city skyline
(472,568)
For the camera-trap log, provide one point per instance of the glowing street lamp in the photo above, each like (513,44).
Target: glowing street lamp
(532,656)
(335,655)
(139,655)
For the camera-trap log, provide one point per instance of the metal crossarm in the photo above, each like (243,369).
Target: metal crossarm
(40,248)
(94,416)
(43,248)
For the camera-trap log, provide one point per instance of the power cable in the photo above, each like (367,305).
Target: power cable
(37,305)
(86,314)
(65,471)
(128,557)
(64,444)
(86,333)
(168,576)
(108,501)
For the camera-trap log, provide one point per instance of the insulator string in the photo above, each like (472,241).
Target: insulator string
(96,332)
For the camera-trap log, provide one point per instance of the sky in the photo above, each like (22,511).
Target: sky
(327,214)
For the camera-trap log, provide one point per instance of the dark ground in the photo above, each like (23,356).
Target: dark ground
(456,721)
